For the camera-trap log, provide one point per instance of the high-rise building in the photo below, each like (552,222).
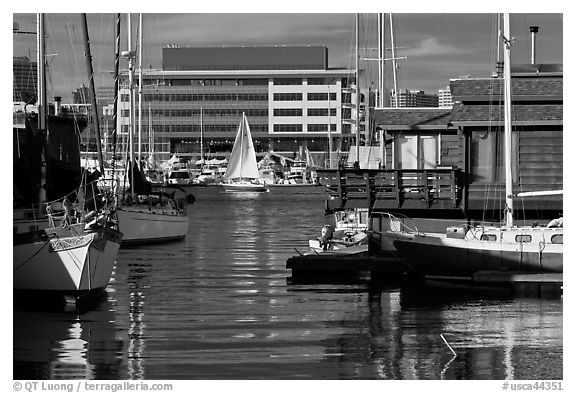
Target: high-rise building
(445,98)
(289,94)
(414,99)
(24,82)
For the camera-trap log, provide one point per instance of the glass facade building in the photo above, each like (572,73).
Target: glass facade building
(289,95)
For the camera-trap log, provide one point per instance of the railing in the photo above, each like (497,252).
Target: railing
(417,188)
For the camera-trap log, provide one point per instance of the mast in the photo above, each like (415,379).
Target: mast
(202,135)
(357,60)
(140,92)
(41,108)
(150,136)
(393,63)
(508,123)
(130,55)
(90,70)
(116,87)
(380,102)
(329,132)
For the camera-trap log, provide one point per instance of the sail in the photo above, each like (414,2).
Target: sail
(242,163)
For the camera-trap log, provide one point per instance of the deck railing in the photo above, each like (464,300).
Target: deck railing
(396,188)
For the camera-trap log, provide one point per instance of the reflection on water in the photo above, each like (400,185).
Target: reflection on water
(218,306)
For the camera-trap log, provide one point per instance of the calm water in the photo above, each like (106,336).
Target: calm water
(218,306)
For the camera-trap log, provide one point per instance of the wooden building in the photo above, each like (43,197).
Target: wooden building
(449,161)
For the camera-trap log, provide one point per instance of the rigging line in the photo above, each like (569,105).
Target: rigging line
(50,237)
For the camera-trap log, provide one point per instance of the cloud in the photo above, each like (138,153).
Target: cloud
(432,47)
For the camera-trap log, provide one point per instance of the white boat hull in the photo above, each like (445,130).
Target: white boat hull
(437,254)
(65,262)
(142,225)
(244,187)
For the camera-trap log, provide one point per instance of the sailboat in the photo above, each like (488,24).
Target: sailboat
(463,251)
(146,215)
(242,172)
(67,248)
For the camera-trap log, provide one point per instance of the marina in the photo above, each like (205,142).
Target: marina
(256,212)
(219,305)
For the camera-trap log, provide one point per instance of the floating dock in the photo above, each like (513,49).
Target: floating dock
(349,264)
(358,264)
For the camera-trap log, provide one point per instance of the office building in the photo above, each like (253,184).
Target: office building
(445,98)
(413,99)
(288,93)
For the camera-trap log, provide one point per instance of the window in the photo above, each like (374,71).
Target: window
(287,127)
(557,239)
(416,151)
(318,96)
(321,112)
(124,97)
(287,81)
(488,237)
(523,238)
(287,96)
(321,127)
(288,112)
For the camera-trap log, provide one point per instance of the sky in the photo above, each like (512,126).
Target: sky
(437,46)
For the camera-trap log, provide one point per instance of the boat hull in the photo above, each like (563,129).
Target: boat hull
(436,254)
(244,187)
(66,263)
(142,225)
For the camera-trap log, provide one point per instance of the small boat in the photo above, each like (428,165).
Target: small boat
(242,172)
(146,215)
(350,230)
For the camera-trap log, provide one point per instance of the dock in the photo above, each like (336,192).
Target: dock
(346,265)
(316,268)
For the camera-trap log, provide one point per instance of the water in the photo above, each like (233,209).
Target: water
(218,306)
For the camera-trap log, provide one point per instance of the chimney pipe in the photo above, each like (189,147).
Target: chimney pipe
(57,105)
(533,30)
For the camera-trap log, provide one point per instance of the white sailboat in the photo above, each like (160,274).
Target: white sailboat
(242,172)
(462,251)
(69,247)
(144,215)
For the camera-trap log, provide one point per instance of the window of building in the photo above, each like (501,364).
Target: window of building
(321,112)
(124,97)
(125,113)
(287,127)
(253,82)
(288,112)
(287,81)
(317,96)
(287,96)
(321,127)
(416,151)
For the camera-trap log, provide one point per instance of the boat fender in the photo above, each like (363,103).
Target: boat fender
(89,216)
